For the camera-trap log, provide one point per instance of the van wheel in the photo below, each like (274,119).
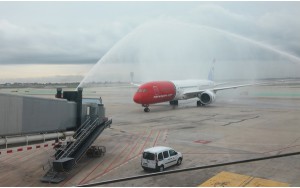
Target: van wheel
(179,161)
(161,168)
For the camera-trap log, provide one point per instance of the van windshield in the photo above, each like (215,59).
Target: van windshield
(149,156)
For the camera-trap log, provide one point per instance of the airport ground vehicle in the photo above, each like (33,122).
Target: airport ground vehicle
(96,151)
(160,157)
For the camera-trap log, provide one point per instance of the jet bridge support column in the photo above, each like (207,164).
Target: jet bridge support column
(75,96)
(79,107)
(58,93)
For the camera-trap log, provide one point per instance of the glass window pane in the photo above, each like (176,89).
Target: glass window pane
(160,157)
(172,152)
(166,154)
(149,156)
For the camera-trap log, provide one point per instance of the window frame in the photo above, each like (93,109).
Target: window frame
(175,153)
(167,153)
(162,156)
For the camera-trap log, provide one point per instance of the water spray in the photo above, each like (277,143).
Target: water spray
(144,27)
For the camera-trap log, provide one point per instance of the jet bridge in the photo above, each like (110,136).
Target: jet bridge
(68,156)
(25,120)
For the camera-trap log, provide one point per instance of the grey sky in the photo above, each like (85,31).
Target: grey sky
(82,32)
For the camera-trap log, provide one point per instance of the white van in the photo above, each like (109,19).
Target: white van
(160,157)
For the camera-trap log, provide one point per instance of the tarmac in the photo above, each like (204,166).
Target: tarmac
(242,124)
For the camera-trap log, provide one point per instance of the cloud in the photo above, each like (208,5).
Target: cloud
(277,26)
(219,17)
(85,43)
(56,45)
(172,36)
(281,29)
(165,49)
(43,72)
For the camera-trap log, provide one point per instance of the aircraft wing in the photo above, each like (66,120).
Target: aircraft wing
(234,87)
(194,93)
(215,89)
(135,84)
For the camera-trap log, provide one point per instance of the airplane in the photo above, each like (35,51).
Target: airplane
(171,91)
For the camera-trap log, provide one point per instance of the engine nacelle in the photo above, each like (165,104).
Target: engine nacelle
(207,97)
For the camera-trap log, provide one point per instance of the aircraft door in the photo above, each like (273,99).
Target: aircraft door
(173,156)
(167,159)
(156,91)
(178,93)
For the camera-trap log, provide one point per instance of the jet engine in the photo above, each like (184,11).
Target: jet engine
(207,97)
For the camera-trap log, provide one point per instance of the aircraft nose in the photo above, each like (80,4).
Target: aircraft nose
(137,98)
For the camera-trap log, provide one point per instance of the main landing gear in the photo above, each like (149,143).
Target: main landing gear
(174,103)
(199,103)
(146,109)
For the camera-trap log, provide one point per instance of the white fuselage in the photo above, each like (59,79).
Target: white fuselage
(183,86)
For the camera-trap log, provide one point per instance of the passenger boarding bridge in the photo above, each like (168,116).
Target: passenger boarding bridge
(25,120)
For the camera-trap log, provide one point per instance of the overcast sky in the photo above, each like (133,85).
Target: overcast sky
(45,34)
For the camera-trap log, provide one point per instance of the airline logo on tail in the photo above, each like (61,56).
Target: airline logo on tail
(211,72)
